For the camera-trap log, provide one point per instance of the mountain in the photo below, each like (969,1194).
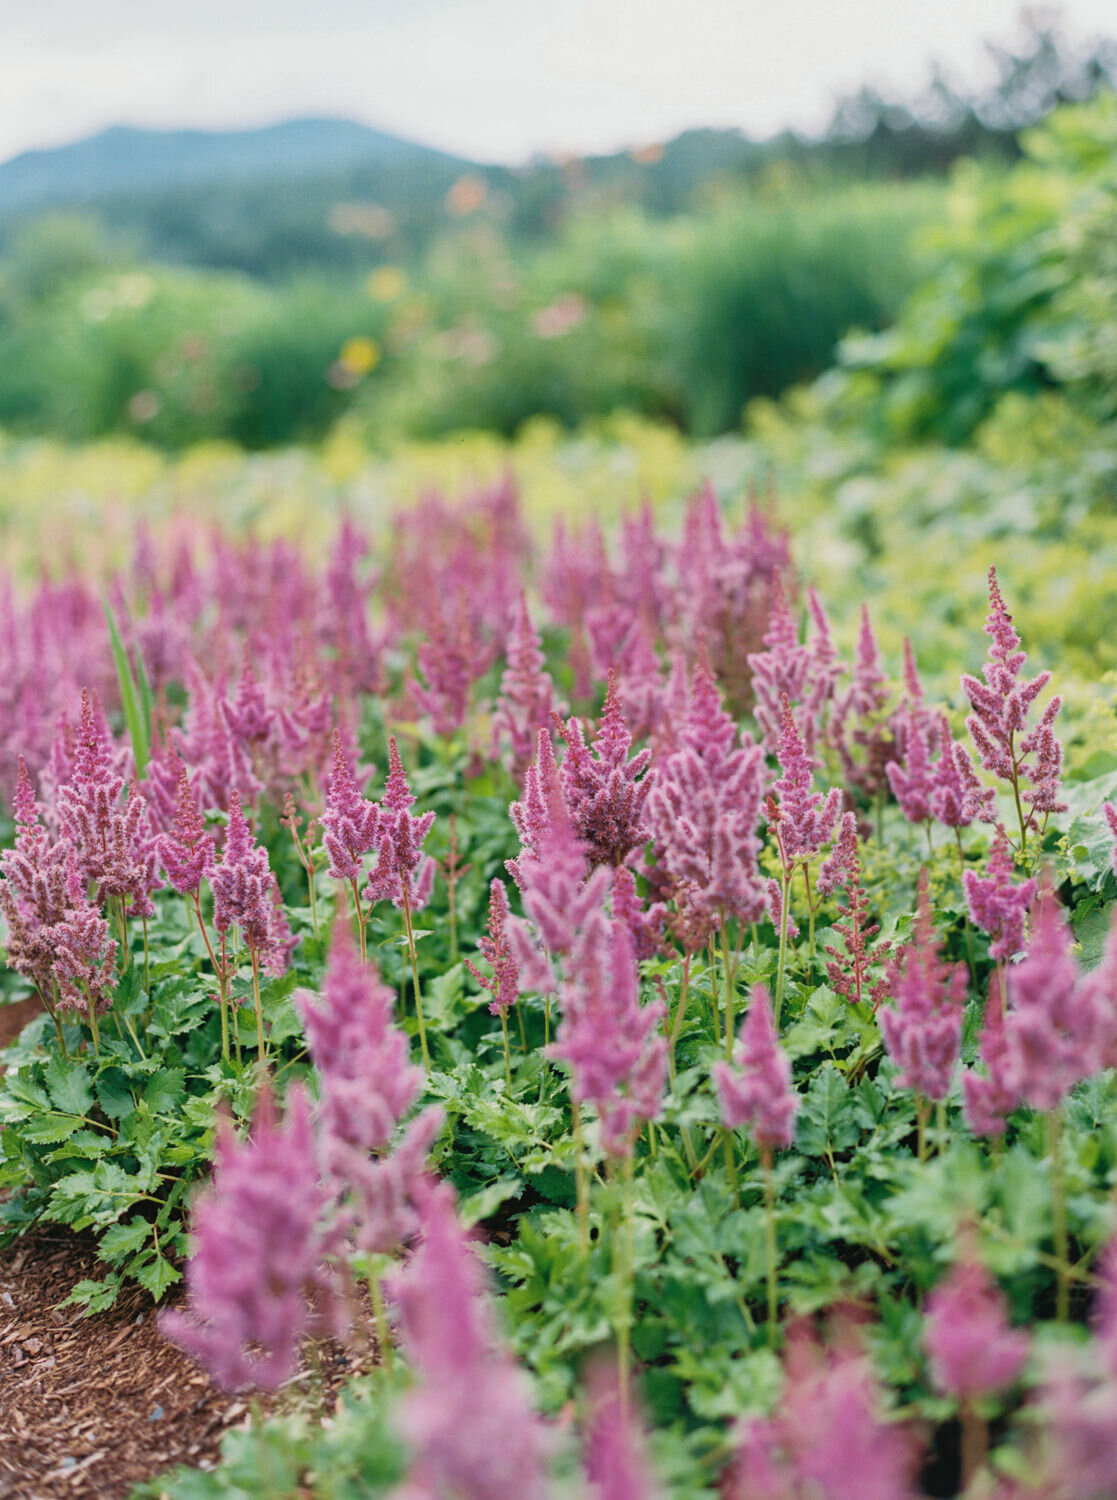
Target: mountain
(124,160)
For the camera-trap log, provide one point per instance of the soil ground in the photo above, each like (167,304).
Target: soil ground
(90,1406)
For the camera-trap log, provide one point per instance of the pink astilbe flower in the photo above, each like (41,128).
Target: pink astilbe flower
(244,894)
(186,852)
(781,671)
(849,972)
(55,937)
(828,1440)
(257,1266)
(559,892)
(642,690)
(644,923)
(504,982)
(922,1029)
(972,1349)
(613,1444)
(725,585)
(617,1056)
(367,1086)
(957,795)
(823,673)
(403,874)
(526,695)
(858,728)
(453,656)
(758,1091)
(350,822)
(605,791)
(803,819)
(703,811)
(84,956)
(997,903)
(1000,713)
(113,842)
(1051,1034)
(912,781)
(991,1097)
(468,1420)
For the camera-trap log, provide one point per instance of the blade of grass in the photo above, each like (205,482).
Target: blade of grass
(138,729)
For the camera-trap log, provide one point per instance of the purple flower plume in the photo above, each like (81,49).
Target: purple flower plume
(1001,705)
(827,1438)
(605,791)
(757,1091)
(468,1419)
(997,903)
(186,852)
(613,1443)
(990,1097)
(703,811)
(922,1029)
(257,1264)
(504,983)
(350,822)
(55,936)
(972,1349)
(617,1056)
(804,820)
(1051,1032)
(402,873)
(245,894)
(526,695)
(367,1086)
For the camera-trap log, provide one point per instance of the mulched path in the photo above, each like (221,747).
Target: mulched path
(90,1406)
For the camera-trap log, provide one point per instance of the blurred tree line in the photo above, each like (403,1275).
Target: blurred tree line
(429,294)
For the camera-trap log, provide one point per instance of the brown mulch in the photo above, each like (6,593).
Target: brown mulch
(91,1406)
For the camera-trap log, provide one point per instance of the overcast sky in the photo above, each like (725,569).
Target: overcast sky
(494,79)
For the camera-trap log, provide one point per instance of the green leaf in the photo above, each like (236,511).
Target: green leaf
(827,1122)
(123,1240)
(156,1275)
(164,1090)
(70,1088)
(139,731)
(94,1296)
(48,1130)
(480,1206)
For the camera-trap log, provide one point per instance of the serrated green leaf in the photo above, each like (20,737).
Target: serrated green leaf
(70,1088)
(479,1206)
(164,1090)
(48,1130)
(94,1296)
(156,1275)
(120,1241)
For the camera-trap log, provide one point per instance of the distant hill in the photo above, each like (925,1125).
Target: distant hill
(123,160)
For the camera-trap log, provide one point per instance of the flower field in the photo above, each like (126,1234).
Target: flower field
(583,967)
(669,1032)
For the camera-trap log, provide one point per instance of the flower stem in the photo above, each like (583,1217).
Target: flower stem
(975,1442)
(627,1269)
(785,888)
(415,975)
(678,1021)
(383,1336)
(580,1180)
(770,1245)
(1059,1212)
(730,990)
(261,1044)
(507,1054)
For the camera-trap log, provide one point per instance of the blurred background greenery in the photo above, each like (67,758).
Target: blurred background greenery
(413,294)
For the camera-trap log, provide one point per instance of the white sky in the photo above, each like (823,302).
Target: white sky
(493,79)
